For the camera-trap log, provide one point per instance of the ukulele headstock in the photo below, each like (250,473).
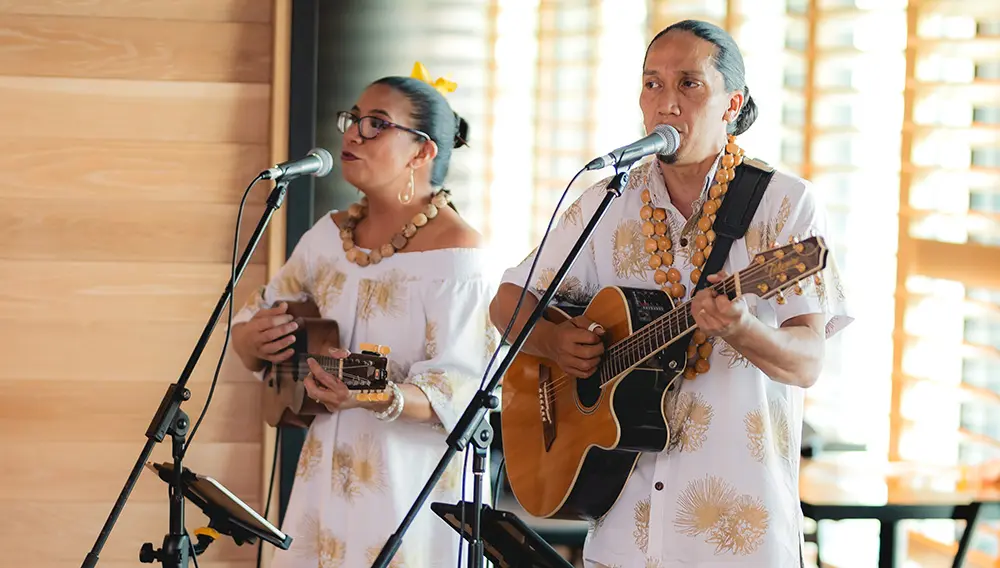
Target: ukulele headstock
(773,271)
(366,373)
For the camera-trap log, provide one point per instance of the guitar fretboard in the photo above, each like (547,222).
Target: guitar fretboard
(656,335)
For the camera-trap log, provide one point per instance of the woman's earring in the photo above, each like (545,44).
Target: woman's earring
(405,197)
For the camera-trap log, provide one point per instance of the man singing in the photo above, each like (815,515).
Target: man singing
(725,491)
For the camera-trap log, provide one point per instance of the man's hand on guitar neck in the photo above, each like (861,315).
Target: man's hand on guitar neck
(715,314)
(791,354)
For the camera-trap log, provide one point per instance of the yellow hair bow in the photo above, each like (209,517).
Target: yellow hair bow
(444,86)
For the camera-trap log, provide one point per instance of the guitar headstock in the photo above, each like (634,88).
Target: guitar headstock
(773,271)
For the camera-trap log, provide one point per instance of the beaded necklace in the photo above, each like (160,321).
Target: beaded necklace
(357,211)
(661,255)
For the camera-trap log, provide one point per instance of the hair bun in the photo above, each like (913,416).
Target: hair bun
(461,132)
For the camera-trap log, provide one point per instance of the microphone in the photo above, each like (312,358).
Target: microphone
(318,162)
(663,141)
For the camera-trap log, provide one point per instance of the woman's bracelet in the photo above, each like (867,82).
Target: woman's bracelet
(395,408)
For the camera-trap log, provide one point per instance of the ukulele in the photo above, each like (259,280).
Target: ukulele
(570,444)
(286,402)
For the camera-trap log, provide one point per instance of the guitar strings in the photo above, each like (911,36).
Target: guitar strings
(615,352)
(633,343)
(648,337)
(681,314)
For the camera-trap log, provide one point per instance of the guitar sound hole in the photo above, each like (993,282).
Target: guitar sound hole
(588,390)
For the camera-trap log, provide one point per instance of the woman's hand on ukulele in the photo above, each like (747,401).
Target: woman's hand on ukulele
(327,389)
(715,314)
(576,346)
(265,337)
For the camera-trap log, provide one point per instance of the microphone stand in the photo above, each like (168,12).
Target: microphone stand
(170,419)
(472,426)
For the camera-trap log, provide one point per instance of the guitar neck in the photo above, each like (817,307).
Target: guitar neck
(769,273)
(658,334)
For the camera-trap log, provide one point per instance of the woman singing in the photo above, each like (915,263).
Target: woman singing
(402,269)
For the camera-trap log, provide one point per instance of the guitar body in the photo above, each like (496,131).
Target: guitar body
(286,402)
(570,444)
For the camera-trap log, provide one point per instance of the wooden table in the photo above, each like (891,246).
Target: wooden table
(858,486)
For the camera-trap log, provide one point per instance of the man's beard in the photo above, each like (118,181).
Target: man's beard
(668,160)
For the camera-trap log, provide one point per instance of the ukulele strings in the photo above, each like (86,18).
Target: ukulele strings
(300,369)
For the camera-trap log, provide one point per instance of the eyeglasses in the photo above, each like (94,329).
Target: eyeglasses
(370,126)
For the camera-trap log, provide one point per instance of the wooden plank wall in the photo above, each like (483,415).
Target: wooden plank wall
(128,132)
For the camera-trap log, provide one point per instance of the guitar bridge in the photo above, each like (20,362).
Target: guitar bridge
(547,405)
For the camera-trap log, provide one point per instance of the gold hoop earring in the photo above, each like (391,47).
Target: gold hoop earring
(405,197)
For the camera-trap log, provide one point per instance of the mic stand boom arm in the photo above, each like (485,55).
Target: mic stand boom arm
(472,425)
(170,419)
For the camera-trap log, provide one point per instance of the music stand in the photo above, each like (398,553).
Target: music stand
(507,541)
(226,513)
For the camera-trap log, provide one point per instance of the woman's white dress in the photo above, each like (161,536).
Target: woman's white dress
(357,475)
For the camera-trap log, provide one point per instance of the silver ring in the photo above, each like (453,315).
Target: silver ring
(593,325)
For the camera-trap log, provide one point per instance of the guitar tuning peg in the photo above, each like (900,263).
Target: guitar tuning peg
(797,289)
(818,280)
(780,298)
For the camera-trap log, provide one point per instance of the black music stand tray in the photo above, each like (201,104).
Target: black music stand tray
(507,541)
(227,514)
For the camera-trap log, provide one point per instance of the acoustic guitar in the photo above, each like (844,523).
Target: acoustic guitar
(570,444)
(286,402)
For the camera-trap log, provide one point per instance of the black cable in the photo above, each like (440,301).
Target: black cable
(517,308)
(461,542)
(229,324)
(194,553)
(270,491)
(496,486)
(527,281)
(503,338)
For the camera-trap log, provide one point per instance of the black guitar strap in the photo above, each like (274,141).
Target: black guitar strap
(734,215)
